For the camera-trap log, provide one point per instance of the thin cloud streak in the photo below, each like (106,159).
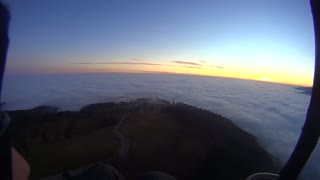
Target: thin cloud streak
(193,67)
(136,59)
(131,71)
(220,67)
(123,63)
(187,63)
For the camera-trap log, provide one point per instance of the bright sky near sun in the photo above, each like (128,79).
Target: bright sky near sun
(267,40)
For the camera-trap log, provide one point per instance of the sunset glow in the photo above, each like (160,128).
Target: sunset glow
(210,38)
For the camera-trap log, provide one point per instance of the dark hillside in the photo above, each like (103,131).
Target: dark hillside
(138,136)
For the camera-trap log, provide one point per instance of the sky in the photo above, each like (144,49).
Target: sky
(267,40)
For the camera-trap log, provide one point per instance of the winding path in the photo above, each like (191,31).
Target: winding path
(124,148)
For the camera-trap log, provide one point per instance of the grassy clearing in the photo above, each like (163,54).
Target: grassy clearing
(67,154)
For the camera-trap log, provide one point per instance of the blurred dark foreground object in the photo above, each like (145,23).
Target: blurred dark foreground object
(4,39)
(311,130)
(101,171)
(310,133)
(5,145)
(263,176)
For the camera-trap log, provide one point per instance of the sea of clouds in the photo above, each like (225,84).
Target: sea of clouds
(274,113)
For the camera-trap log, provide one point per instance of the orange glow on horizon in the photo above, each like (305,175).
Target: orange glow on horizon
(277,77)
(205,70)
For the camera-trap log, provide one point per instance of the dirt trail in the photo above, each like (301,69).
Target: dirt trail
(124,148)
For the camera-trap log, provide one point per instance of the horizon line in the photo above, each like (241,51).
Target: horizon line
(154,72)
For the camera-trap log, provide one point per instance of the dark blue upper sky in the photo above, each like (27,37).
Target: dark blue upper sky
(263,37)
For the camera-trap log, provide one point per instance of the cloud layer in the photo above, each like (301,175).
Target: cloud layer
(273,112)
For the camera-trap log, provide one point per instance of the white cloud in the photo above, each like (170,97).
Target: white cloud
(274,113)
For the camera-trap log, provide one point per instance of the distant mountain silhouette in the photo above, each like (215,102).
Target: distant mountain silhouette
(305,90)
